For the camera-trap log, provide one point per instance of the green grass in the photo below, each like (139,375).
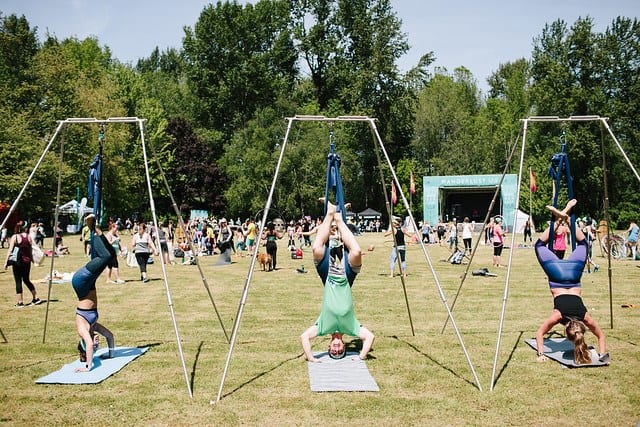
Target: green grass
(424,378)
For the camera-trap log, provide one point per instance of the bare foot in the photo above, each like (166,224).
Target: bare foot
(331,208)
(570,204)
(563,214)
(347,205)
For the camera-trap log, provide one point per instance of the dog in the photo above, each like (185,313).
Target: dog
(265,261)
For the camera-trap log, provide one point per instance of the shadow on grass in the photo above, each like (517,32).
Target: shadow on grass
(434,360)
(261,374)
(513,349)
(195,364)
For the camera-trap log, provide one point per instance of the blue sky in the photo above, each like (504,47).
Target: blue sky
(479,35)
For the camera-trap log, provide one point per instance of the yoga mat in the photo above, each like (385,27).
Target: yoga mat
(340,375)
(561,350)
(102,368)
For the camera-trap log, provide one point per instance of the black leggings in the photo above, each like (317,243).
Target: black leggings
(21,274)
(272,249)
(143,259)
(84,280)
(103,254)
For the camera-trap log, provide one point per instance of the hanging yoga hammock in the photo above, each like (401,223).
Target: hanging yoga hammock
(334,181)
(560,168)
(334,185)
(94,183)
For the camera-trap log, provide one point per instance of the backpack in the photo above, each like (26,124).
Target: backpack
(456,258)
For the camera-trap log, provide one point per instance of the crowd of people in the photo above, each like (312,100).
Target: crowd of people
(210,236)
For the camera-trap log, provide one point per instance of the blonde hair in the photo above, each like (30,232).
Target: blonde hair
(574,330)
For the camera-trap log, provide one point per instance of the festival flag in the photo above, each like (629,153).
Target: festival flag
(394,197)
(532,180)
(412,187)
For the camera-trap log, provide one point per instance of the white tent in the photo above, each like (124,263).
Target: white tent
(521,220)
(73,207)
(77,211)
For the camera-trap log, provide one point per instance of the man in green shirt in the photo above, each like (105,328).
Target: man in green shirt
(338,258)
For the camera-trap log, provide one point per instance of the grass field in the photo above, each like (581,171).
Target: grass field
(424,378)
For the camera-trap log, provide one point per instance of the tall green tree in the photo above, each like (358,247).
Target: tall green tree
(240,58)
(619,58)
(18,46)
(446,141)
(351,49)
(569,72)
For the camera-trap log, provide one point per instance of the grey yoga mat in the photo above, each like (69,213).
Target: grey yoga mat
(347,374)
(561,350)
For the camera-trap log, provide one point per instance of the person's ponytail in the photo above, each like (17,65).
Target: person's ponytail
(574,331)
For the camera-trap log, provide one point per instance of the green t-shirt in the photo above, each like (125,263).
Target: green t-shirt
(337,313)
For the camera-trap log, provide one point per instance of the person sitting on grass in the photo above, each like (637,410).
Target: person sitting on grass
(564,283)
(84,284)
(338,259)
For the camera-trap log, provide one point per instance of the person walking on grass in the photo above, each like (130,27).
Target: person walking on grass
(113,237)
(498,240)
(467,235)
(399,234)
(143,247)
(22,265)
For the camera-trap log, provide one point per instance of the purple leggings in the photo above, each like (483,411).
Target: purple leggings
(562,273)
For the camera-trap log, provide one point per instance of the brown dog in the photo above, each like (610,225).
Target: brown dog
(264,260)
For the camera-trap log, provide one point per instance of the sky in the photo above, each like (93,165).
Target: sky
(479,35)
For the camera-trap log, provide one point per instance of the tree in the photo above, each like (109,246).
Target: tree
(239,60)
(18,46)
(446,138)
(572,72)
(351,49)
(194,170)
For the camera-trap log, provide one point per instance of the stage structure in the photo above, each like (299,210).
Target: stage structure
(459,196)
(140,123)
(555,119)
(379,149)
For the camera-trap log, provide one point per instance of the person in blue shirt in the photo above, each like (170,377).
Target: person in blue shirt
(632,238)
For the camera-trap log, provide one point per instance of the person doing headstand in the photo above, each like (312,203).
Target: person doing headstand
(338,258)
(564,283)
(84,284)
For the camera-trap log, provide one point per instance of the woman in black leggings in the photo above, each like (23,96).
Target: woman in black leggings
(271,235)
(22,268)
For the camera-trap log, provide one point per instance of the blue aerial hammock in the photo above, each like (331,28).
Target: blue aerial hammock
(94,182)
(334,186)
(558,170)
(334,182)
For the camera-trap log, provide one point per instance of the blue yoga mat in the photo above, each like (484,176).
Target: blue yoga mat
(561,350)
(344,374)
(102,368)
